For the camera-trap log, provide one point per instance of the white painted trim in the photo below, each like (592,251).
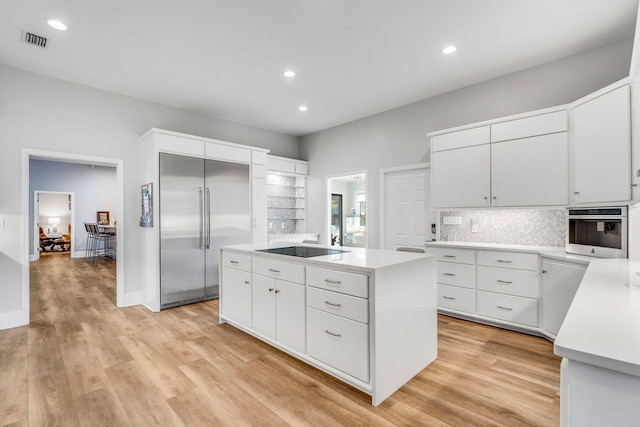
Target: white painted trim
(382,229)
(203,139)
(27,155)
(78,254)
(133,298)
(327,211)
(13,319)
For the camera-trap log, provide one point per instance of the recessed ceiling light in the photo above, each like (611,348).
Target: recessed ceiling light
(57,24)
(303,108)
(289,73)
(449,49)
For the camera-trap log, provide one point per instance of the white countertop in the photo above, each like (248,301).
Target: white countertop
(554,252)
(356,258)
(602,326)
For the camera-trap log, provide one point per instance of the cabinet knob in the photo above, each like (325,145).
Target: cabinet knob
(277,291)
(246,282)
(576,192)
(485,197)
(544,271)
(270,289)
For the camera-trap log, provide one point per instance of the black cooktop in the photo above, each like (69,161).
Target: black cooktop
(302,251)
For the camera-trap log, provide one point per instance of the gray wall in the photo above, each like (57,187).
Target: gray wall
(94,190)
(398,137)
(42,113)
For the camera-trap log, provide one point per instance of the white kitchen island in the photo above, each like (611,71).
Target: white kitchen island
(368,317)
(599,342)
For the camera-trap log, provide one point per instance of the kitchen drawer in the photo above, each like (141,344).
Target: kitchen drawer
(450,273)
(455,298)
(522,261)
(507,307)
(523,283)
(279,270)
(343,305)
(542,124)
(234,260)
(339,342)
(338,281)
(463,256)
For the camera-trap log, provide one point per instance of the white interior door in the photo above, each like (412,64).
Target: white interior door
(408,215)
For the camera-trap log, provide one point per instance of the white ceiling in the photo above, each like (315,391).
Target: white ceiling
(353,58)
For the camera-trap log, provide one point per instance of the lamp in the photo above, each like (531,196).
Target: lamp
(54,221)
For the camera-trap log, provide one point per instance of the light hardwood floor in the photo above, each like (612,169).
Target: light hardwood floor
(83,361)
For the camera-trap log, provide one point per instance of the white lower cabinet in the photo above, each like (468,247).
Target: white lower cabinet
(508,307)
(339,342)
(237,295)
(457,298)
(279,311)
(560,281)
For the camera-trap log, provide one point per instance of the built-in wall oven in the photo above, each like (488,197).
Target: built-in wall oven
(598,232)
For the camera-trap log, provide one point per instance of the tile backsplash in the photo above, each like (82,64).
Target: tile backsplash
(518,227)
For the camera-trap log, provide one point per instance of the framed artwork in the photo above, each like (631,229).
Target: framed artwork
(146,219)
(103,218)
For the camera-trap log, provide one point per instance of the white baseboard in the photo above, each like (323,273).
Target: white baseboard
(32,258)
(132,298)
(13,319)
(78,254)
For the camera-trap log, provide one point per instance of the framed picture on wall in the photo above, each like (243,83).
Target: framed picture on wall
(103,218)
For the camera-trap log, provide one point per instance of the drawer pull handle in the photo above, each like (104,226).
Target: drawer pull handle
(234,262)
(504,308)
(449,256)
(505,261)
(333,334)
(274,270)
(448,274)
(506,282)
(446,297)
(333,304)
(333,282)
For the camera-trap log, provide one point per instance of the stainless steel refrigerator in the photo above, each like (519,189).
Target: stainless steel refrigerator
(204,204)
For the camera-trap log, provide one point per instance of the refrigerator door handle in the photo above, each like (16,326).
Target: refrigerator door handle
(207,207)
(201,199)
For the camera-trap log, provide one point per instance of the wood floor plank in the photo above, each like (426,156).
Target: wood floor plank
(101,408)
(49,398)
(83,368)
(141,400)
(169,380)
(13,384)
(107,347)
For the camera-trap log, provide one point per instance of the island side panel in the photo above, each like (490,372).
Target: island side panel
(405,335)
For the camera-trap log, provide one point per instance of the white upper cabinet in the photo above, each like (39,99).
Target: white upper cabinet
(530,126)
(461,178)
(602,149)
(461,139)
(287,166)
(530,171)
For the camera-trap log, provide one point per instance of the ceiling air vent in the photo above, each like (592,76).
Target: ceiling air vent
(34,39)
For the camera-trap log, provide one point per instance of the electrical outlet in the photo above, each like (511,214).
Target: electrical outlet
(474,225)
(452,220)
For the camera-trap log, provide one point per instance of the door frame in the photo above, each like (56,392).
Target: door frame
(383,195)
(36,231)
(27,155)
(327,203)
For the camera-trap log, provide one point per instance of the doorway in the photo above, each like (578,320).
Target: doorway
(53,216)
(405,207)
(346,210)
(27,228)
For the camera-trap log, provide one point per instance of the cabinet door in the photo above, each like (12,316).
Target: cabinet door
(601,149)
(530,171)
(290,315)
(259,210)
(460,178)
(560,283)
(264,305)
(236,295)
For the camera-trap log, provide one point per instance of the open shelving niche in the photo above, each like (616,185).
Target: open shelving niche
(285,203)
